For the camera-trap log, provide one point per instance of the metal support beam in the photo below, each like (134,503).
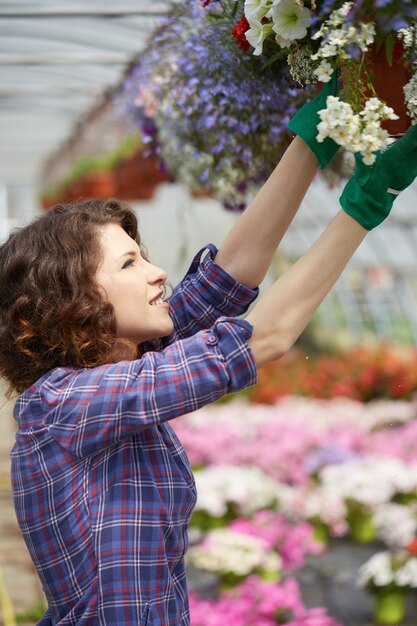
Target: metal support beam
(40,89)
(65,58)
(155,10)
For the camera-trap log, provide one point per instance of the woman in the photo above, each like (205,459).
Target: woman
(102,487)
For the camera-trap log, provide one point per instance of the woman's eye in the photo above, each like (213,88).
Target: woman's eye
(127,263)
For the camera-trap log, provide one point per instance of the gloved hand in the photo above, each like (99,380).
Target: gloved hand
(304,123)
(369,195)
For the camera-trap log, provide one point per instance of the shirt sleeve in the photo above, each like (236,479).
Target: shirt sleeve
(90,409)
(206,293)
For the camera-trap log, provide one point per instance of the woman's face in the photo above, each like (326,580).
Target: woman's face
(133,286)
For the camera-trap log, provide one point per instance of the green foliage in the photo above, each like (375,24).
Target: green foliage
(32,615)
(90,165)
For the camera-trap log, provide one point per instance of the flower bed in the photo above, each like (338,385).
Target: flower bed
(275,482)
(362,373)
(259,602)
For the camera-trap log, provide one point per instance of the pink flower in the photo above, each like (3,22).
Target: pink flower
(292,541)
(258,602)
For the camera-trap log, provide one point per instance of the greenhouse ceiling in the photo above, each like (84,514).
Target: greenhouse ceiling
(57,61)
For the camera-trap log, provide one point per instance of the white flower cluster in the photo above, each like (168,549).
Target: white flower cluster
(301,66)
(225,551)
(337,36)
(322,415)
(395,524)
(314,503)
(289,22)
(247,488)
(410,93)
(356,132)
(409,37)
(384,568)
(370,482)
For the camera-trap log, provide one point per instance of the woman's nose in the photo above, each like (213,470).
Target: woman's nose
(156,275)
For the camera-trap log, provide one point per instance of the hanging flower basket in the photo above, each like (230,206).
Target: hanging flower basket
(138,177)
(385,75)
(374,46)
(100,185)
(389,606)
(389,80)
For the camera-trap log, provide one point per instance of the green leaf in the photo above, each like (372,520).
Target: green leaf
(379,41)
(234,10)
(271,60)
(216,16)
(389,48)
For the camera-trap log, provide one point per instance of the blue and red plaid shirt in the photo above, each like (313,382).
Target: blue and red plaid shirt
(102,487)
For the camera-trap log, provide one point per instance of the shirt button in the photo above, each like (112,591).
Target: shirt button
(211,340)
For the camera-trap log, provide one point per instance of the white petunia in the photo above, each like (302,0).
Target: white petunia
(290,20)
(396,524)
(377,569)
(225,550)
(257,34)
(247,488)
(256,9)
(282,42)
(407,575)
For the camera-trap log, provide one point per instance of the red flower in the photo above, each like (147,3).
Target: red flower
(205,3)
(412,547)
(239,31)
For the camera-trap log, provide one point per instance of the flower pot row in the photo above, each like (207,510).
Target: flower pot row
(133,178)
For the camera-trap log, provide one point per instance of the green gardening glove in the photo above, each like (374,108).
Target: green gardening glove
(369,195)
(304,123)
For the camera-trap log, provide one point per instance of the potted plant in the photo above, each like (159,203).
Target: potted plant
(372,43)
(201,105)
(388,576)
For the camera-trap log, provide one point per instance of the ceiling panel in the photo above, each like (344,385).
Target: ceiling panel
(57,61)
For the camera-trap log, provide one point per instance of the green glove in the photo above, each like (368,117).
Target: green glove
(369,195)
(304,123)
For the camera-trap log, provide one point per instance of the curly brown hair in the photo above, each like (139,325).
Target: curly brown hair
(51,310)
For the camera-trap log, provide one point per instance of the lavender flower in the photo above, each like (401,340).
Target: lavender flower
(217,118)
(215,113)
(328,454)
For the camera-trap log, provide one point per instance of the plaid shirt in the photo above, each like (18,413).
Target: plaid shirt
(103,489)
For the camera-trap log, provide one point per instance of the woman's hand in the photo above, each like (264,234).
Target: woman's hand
(304,123)
(369,195)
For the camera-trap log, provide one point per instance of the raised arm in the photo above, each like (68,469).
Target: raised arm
(247,251)
(283,312)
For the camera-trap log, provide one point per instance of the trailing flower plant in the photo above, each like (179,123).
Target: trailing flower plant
(216,117)
(316,38)
(216,86)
